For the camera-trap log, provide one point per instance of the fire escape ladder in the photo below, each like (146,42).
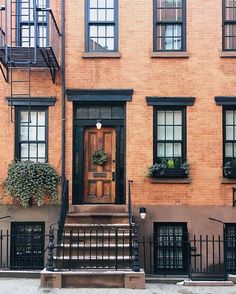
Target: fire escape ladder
(22,52)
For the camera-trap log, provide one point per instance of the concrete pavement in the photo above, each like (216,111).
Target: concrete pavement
(31,286)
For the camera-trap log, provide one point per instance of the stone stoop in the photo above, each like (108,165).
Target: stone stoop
(95,242)
(93,279)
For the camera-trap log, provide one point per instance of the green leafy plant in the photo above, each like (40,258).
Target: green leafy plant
(27,181)
(227,168)
(161,168)
(185,166)
(99,157)
(156,168)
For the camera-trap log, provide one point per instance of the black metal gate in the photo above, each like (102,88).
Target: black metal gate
(27,245)
(207,258)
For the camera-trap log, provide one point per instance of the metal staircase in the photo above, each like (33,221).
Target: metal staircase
(29,39)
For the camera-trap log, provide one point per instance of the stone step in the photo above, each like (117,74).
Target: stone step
(118,226)
(93,234)
(93,258)
(95,245)
(97,218)
(100,208)
(93,279)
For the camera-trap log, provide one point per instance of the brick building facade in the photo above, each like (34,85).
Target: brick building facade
(161,75)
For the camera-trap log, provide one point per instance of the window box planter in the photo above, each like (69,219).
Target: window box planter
(232,174)
(171,173)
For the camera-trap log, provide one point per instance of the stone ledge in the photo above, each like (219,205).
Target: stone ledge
(208,283)
(101,55)
(228,54)
(172,54)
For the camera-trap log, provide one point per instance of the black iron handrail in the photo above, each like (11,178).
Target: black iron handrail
(130,201)
(64,209)
(49,10)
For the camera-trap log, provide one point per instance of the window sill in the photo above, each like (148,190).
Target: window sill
(169,54)
(101,55)
(170,180)
(228,54)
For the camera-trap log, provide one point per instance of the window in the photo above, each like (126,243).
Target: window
(102,25)
(27,245)
(31,134)
(229,147)
(170,247)
(169,25)
(169,139)
(27,23)
(229,25)
(230,236)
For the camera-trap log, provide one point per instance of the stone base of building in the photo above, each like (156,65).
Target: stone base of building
(93,279)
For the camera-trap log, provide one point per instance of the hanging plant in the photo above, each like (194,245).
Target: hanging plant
(99,157)
(28,180)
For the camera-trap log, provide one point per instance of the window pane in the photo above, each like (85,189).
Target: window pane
(93,31)
(93,15)
(110,3)
(229,133)
(93,3)
(169,150)
(101,3)
(169,133)
(177,150)
(101,31)
(229,150)
(33,150)
(110,31)
(24,116)
(169,117)
(101,15)
(161,117)
(24,133)
(41,133)
(178,118)
(24,150)
(41,150)
(110,15)
(178,133)
(32,134)
(229,117)
(161,133)
(33,118)
(110,44)
(160,150)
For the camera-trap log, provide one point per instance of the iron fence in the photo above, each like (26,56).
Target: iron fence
(22,251)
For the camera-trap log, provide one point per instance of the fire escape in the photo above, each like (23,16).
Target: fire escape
(29,40)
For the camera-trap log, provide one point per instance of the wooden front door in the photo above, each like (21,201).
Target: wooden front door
(99,181)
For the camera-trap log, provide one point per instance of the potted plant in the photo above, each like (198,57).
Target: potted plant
(169,168)
(27,181)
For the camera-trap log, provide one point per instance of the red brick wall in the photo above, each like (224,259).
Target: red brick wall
(203,75)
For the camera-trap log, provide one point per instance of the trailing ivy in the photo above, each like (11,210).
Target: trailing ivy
(28,180)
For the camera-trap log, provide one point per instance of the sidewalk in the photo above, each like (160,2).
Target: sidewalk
(31,286)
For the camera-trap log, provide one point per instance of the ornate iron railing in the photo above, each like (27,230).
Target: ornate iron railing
(64,209)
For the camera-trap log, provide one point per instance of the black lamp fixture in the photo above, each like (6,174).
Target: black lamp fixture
(99,124)
(143,212)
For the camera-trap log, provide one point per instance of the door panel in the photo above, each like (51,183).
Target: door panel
(99,181)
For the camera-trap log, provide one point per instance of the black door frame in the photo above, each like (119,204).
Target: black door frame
(78,157)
